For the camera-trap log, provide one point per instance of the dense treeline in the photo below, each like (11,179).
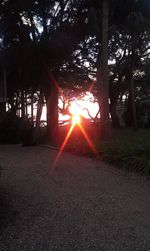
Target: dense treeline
(46,45)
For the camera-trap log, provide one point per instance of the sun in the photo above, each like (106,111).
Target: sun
(75,111)
(76,118)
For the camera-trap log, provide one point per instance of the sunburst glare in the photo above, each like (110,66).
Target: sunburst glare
(76,119)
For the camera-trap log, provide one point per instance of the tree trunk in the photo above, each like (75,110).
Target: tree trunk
(22,105)
(32,96)
(52,115)
(114,117)
(2,111)
(103,76)
(26,106)
(39,111)
(3,95)
(132,100)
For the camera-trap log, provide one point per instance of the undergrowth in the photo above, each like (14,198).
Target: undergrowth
(130,150)
(126,148)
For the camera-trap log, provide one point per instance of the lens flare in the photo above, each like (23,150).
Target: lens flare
(91,86)
(87,138)
(89,141)
(61,149)
(76,119)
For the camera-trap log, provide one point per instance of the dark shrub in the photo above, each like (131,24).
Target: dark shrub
(27,133)
(10,129)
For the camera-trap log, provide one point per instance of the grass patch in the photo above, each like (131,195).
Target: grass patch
(128,149)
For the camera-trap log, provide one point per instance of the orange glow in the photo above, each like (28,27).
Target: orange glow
(76,119)
(74,108)
(91,86)
(61,149)
(84,105)
(89,141)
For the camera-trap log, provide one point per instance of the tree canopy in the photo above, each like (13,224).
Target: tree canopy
(48,44)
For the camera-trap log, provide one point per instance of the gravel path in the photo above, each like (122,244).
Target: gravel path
(85,205)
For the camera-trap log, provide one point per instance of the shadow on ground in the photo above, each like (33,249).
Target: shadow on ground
(7,212)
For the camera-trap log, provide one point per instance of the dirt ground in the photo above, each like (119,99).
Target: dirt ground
(84,205)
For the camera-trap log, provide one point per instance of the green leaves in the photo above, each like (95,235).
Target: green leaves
(131,152)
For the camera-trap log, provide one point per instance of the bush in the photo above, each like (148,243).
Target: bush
(129,151)
(10,129)
(27,133)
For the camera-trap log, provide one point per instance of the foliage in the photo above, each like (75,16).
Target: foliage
(10,129)
(130,150)
(127,149)
(27,133)
(40,38)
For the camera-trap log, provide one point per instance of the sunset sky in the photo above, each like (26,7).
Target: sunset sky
(78,106)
